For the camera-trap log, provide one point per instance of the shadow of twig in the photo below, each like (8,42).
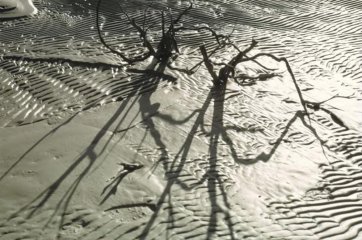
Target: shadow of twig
(127,168)
(34,146)
(89,154)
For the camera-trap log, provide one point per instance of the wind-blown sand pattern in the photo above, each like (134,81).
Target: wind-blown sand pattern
(244,165)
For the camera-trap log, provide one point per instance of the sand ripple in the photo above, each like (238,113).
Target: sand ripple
(52,66)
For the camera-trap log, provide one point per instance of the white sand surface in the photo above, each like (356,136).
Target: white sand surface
(91,148)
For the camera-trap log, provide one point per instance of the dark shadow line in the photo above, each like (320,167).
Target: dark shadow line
(158,76)
(71,190)
(227,217)
(113,185)
(35,145)
(217,128)
(151,206)
(73,63)
(88,152)
(183,152)
(123,106)
(262,156)
(127,168)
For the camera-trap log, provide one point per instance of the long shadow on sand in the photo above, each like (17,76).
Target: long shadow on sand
(214,183)
(90,154)
(212,176)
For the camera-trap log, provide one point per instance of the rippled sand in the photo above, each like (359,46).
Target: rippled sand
(243,164)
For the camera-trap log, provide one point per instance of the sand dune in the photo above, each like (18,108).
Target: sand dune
(92,148)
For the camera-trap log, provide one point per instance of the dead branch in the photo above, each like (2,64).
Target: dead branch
(130,167)
(289,69)
(245,55)
(166,46)
(260,77)
(229,68)
(182,14)
(316,106)
(123,56)
(141,32)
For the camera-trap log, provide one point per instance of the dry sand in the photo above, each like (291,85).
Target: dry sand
(93,149)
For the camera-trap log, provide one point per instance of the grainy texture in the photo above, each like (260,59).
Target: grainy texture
(73,116)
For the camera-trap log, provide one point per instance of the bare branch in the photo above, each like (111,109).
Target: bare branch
(234,61)
(143,36)
(217,36)
(302,101)
(261,77)
(102,39)
(181,14)
(123,56)
(171,31)
(163,23)
(192,70)
(144,17)
(236,47)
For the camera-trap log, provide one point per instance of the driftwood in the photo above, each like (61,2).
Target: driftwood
(167,46)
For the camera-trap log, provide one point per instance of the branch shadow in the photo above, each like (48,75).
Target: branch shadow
(17,162)
(214,182)
(212,177)
(218,132)
(146,109)
(127,168)
(149,82)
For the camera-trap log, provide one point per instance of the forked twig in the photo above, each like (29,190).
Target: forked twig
(166,45)
(316,106)
(282,59)
(123,56)
(182,14)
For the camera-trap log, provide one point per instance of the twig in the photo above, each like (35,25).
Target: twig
(282,59)
(192,70)
(245,55)
(128,60)
(130,167)
(182,13)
